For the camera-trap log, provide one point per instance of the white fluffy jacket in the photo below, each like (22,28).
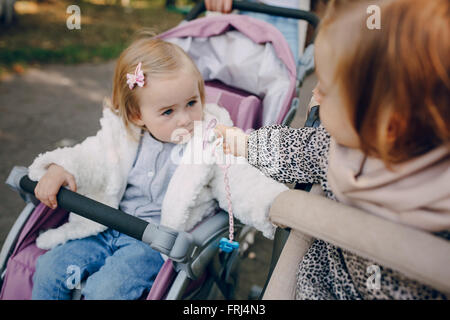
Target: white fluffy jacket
(101,163)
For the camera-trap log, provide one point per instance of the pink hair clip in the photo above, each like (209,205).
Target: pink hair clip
(136,78)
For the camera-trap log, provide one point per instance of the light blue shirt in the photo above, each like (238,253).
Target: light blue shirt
(149,178)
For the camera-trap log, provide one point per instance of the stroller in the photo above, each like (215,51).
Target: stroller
(265,94)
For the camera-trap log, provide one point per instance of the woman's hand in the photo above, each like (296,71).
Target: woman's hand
(234,140)
(49,185)
(223,6)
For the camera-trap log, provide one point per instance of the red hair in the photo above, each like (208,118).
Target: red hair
(395,80)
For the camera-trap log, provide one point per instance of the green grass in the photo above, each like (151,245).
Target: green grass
(40,35)
(73,53)
(19,59)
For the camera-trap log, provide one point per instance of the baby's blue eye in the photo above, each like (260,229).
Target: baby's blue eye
(192,103)
(167,112)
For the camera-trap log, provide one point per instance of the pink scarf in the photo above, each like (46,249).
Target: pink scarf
(415,193)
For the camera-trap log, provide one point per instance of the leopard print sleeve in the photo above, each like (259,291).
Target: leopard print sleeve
(290,155)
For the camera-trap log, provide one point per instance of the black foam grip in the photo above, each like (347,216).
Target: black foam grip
(94,210)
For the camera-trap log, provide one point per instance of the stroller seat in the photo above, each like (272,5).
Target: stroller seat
(21,265)
(18,277)
(245,108)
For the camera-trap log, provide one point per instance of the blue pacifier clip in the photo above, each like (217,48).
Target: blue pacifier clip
(227,245)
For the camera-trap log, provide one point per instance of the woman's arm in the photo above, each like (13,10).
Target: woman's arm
(285,154)
(290,155)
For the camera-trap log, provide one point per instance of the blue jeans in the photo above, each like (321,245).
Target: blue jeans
(116,267)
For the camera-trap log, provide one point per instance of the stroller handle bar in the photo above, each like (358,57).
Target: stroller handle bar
(310,17)
(177,245)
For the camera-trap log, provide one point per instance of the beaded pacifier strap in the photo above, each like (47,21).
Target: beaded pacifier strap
(227,245)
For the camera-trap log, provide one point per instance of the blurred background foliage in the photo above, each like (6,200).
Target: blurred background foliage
(38,33)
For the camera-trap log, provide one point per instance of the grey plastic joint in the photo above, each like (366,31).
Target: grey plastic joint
(14,177)
(176,245)
(13,181)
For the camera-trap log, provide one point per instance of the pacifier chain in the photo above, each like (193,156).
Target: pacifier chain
(227,245)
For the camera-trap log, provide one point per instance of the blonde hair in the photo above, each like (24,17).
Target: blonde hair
(397,76)
(158,58)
